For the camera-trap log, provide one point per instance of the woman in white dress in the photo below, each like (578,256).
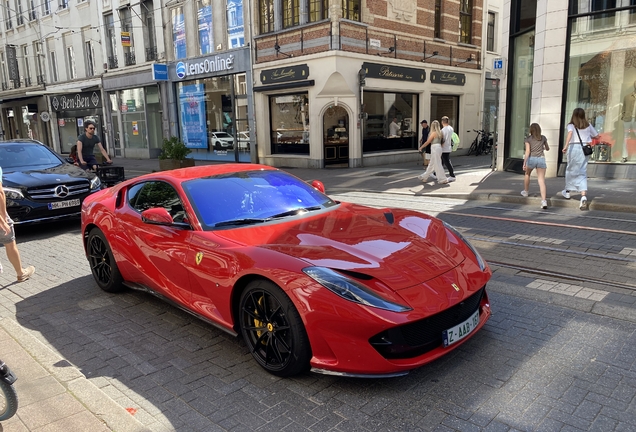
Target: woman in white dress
(580,133)
(435,165)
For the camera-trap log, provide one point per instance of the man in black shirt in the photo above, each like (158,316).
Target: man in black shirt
(425,131)
(86,145)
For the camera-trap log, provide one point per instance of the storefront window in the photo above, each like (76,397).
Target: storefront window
(290,123)
(601,79)
(383,109)
(521,93)
(207,117)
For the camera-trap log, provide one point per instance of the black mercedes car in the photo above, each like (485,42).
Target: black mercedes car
(40,185)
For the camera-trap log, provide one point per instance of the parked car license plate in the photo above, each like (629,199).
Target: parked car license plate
(64,204)
(461,330)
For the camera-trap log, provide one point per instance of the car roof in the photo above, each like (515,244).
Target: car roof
(184,174)
(21,141)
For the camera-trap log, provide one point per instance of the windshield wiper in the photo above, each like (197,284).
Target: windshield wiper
(245,221)
(294,212)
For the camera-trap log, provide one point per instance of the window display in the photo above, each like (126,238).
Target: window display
(289,116)
(389,121)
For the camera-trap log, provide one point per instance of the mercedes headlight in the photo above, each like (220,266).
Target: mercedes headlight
(96,183)
(350,289)
(13,194)
(480,260)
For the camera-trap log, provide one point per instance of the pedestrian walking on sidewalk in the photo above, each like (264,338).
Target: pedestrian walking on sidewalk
(580,133)
(7,238)
(435,165)
(447,148)
(425,131)
(535,159)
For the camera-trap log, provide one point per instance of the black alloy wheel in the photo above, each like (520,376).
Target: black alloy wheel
(103,265)
(273,330)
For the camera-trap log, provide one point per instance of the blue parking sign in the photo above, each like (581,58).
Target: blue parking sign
(498,63)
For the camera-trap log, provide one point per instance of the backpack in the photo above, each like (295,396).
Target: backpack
(455,141)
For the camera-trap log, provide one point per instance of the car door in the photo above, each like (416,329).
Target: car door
(161,253)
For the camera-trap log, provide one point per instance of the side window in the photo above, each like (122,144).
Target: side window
(133,194)
(159,194)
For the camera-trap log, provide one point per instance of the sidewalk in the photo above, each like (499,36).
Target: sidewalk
(475,181)
(52,394)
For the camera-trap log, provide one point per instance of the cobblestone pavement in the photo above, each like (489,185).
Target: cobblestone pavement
(545,361)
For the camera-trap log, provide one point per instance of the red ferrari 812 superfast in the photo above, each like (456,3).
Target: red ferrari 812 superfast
(309,282)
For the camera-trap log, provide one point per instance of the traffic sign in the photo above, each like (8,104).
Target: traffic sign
(498,66)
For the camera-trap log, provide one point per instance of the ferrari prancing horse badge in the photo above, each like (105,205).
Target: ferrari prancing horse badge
(199,257)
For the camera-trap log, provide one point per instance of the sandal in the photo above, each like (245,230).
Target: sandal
(28,272)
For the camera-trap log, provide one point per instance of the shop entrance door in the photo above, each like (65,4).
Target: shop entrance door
(335,132)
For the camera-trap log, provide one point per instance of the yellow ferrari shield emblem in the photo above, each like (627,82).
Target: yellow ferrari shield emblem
(454,285)
(199,257)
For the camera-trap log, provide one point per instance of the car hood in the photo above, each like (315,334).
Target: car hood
(398,247)
(38,175)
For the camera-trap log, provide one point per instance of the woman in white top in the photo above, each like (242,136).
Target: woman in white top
(435,165)
(576,171)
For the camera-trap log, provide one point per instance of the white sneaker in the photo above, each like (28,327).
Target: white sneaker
(524,193)
(443,181)
(451,179)
(422,177)
(544,204)
(583,204)
(565,193)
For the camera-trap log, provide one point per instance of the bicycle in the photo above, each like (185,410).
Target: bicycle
(8,394)
(482,143)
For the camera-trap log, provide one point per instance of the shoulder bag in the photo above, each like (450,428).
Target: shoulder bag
(587,149)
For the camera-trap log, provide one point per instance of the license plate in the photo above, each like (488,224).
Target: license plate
(64,204)
(460,331)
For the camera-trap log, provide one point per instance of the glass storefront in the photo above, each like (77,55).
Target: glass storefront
(213,118)
(289,121)
(391,121)
(601,79)
(520,91)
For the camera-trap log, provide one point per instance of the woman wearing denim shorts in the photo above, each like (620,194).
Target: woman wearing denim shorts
(534,159)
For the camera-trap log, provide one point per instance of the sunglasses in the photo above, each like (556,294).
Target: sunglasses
(91,128)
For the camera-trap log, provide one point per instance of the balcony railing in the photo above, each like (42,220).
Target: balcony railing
(129,59)
(5,86)
(41,79)
(16,84)
(112,62)
(27,81)
(151,54)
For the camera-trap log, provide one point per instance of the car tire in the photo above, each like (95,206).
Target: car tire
(217,145)
(102,262)
(273,330)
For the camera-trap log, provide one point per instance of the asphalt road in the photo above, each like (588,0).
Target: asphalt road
(547,360)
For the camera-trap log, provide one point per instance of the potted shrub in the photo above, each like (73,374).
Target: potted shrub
(173,155)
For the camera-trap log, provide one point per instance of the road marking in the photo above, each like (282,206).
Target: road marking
(568,289)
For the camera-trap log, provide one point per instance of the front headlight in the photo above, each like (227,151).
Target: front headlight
(13,194)
(350,289)
(96,183)
(480,260)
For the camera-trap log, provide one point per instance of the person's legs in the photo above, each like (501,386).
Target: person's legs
(447,163)
(526,180)
(14,258)
(436,159)
(541,180)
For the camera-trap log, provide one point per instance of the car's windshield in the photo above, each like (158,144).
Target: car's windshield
(24,155)
(222,135)
(250,197)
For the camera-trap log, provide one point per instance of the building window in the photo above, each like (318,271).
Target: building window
(90,59)
(351,9)
(25,65)
(46,7)
(148,22)
(204,19)
(266,16)
(39,55)
(32,15)
(18,12)
(318,10)
(53,60)
(178,33)
(490,37)
(63,4)
(381,110)
(235,26)
(111,41)
(289,120)
(8,24)
(3,73)
(291,13)
(605,20)
(437,32)
(465,21)
(70,58)
(125,17)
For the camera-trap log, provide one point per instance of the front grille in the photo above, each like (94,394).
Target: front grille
(47,193)
(419,337)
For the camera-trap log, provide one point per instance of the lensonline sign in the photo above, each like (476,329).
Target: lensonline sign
(208,65)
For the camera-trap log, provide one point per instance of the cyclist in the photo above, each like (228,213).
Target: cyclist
(86,143)
(447,147)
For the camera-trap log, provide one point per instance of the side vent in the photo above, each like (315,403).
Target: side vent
(389,217)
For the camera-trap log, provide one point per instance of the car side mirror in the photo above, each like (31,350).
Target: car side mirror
(318,185)
(156,216)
